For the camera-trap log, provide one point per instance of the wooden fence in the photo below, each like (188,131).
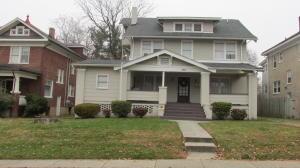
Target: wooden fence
(281,107)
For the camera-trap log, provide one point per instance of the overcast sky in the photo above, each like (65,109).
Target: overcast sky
(270,20)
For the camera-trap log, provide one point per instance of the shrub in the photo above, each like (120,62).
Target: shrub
(221,109)
(106,113)
(6,102)
(238,114)
(86,110)
(140,111)
(121,108)
(36,105)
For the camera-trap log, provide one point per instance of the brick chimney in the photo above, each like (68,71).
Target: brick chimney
(134,15)
(52,32)
(27,19)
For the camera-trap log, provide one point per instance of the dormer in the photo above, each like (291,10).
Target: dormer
(188,24)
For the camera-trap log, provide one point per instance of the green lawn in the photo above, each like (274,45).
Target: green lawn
(265,139)
(130,138)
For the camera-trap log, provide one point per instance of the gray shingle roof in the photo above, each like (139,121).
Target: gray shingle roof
(12,67)
(224,29)
(241,66)
(100,62)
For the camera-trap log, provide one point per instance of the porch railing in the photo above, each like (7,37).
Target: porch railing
(142,95)
(235,99)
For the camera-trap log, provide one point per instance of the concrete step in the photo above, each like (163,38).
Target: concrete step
(184,118)
(183,108)
(197,139)
(200,147)
(184,114)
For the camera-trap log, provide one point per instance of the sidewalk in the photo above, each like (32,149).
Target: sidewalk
(146,164)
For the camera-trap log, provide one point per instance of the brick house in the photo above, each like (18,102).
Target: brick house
(32,61)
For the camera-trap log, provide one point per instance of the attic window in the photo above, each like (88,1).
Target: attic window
(19,31)
(197,27)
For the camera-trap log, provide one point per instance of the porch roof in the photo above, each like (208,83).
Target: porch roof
(13,67)
(232,66)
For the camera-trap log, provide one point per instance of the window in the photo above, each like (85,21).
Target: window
(188,27)
(146,82)
(48,89)
(72,70)
(230,50)
(225,50)
(220,85)
(19,31)
(280,58)
(187,48)
(274,61)
(178,27)
(289,77)
(71,91)
(276,87)
(60,76)
(102,81)
(151,46)
(19,55)
(197,27)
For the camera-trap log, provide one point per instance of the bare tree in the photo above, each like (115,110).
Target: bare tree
(73,31)
(253,58)
(105,16)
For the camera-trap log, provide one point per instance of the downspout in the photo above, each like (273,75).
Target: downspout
(68,81)
(121,72)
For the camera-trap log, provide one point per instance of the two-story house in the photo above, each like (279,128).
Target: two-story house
(177,67)
(33,62)
(281,78)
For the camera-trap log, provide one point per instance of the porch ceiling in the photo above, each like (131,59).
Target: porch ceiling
(16,70)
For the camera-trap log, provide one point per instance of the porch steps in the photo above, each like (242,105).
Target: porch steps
(184,111)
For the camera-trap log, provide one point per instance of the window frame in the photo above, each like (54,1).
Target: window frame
(16,31)
(192,48)
(60,76)
(184,27)
(107,81)
(51,89)
(289,74)
(225,50)
(20,49)
(151,45)
(276,87)
(71,91)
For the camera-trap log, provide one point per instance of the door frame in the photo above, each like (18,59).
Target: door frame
(189,89)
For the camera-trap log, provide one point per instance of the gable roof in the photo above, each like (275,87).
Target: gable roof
(45,36)
(182,58)
(224,29)
(283,44)
(99,62)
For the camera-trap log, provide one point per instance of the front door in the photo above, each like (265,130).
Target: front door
(183,94)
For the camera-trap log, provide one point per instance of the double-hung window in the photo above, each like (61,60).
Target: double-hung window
(225,50)
(188,27)
(19,55)
(60,76)
(71,91)
(157,45)
(187,48)
(197,27)
(102,81)
(151,46)
(179,27)
(276,87)
(289,76)
(48,89)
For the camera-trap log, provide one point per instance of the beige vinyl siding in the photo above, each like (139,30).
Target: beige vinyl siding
(203,49)
(94,95)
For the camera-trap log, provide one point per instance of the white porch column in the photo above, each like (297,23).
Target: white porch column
(123,84)
(16,85)
(163,79)
(252,93)
(162,100)
(204,95)
(80,85)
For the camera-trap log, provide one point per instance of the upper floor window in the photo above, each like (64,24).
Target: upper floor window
(19,31)
(188,27)
(60,76)
(225,50)
(276,87)
(187,48)
(102,81)
(289,76)
(280,58)
(274,61)
(19,55)
(151,46)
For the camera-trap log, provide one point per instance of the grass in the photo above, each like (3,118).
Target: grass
(265,139)
(130,138)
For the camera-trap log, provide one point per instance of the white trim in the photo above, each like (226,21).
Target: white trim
(24,40)
(181,48)
(107,81)
(16,31)
(192,28)
(180,57)
(20,48)
(51,92)
(60,76)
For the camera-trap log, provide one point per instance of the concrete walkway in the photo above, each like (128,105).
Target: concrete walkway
(146,164)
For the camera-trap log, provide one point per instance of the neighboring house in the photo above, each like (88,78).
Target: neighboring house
(281,78)
(33,62)
(177,67)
